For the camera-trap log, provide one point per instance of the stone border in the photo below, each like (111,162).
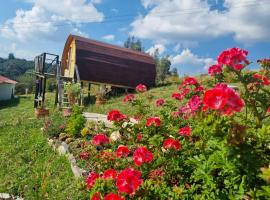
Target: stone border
(62,149)
(6,196)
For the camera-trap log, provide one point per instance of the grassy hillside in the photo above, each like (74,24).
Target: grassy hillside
(28,166)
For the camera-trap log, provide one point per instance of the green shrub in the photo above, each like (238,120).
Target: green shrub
(76,122)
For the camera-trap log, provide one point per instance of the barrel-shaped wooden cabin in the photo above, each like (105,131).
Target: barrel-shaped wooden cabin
(102,63)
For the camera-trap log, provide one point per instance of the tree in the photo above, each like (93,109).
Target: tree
(174,72)
(11,56)
(133,43)
(163,65)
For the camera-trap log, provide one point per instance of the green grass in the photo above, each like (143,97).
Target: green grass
(28,166)
(117,102)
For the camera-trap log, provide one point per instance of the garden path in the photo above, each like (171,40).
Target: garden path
(96,117)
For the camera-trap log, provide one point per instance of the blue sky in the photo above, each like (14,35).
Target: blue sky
(191,32)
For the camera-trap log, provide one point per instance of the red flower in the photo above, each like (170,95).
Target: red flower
(156,173)
(268,110)
(84,155)
(100,139)
(129,97)
(91,179)
(115,115)
(177,96)
(153,121)
(235,58)
(112,196)
(223,98)
(264,62)
(160,102)
(215,69)
(185,131)
(142,155)
(109,173)
(194,103)
(185,92)
(171,144)
(141,88)
(263,79)
(190,81)
(122,151)
(96,196)
(199,89)
(139,137)
(128,180)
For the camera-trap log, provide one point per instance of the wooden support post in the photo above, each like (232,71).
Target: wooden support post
(44,90)
(81,95)
(88,92)
(36,92)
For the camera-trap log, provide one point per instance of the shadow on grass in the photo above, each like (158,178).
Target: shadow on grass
(9,103)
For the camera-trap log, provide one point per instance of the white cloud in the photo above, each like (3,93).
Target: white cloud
(96,1)
(46,25)
(109,37)
(47,20)
(189,63)
(184,20)
(161,48)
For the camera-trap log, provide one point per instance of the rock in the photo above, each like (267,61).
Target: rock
(78,172)
(63,148)
(50,142)
(9,197)
(115,136)
(69,140)
(63,136)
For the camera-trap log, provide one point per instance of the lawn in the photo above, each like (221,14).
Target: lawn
(28,166)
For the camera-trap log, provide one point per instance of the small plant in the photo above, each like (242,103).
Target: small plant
(75,122)
(73,90)
(54,124)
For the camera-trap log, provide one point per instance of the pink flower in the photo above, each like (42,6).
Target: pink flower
(215,70)
(160,102)
(115,115)
(194,103)
(171,144)
(129,97)
(91,179)
(100,139)
(128,180)
(112,196)
(122,151)
(141,88)
(153,121)
(142,155)
(185,131)
(109,173)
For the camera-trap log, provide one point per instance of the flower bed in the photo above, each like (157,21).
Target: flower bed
(206,142)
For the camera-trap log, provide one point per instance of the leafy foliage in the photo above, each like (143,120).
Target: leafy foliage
(75,122)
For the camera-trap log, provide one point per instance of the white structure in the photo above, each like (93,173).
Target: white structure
(7,88)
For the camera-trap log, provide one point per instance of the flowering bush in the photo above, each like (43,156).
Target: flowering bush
(206,141)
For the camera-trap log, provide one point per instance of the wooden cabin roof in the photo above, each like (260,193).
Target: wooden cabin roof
(110,64)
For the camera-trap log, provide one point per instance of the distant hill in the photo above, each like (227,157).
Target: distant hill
(13,67)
